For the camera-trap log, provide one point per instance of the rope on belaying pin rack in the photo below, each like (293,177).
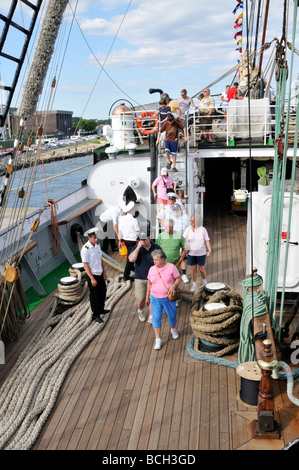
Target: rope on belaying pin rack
(253,306)
(293,167)
(279,173)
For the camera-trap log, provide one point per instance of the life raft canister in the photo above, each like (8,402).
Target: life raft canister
(142,116)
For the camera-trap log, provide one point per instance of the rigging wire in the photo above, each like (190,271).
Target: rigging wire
(293,169)
(102,67)
(250,165)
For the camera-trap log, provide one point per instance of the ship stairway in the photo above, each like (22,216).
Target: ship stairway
(9,25)
(181,176)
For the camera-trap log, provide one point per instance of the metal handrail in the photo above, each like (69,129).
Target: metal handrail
(227,127)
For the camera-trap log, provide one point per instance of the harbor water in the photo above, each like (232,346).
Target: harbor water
(55,188)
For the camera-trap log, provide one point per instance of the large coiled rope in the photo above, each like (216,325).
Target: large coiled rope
(220,327)
(28,394)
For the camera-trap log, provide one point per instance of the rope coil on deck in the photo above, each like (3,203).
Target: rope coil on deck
(29,393)
(219,327)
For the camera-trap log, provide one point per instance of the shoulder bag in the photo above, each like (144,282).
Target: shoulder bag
(168,190)
(171,297)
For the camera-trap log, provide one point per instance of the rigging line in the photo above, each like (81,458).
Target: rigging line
(249,27)
(11,236)
(257,30)
(16,212)
(106,58)
(57,176)
(250,165)
(293,168)
(54,65)
(95,57)
(52,72)
(52,97)
(64,54)
(233,69)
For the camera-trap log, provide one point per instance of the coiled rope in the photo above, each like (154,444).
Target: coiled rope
(28,394)
(254,305)
(220,326)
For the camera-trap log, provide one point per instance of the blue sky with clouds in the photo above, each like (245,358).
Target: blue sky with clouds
(169,45)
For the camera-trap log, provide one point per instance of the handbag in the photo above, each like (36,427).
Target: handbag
(168,190)
(170,296)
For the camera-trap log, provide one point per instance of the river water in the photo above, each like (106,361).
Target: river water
(57,187)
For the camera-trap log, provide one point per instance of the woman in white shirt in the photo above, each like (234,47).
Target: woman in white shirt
(198,247)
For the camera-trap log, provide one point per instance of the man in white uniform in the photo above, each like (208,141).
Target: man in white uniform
(128,232)
(91,256)
(109,220)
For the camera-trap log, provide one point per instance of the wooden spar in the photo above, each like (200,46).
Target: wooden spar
(263,35)
(265,427)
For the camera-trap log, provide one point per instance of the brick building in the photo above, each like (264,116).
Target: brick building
(56,122)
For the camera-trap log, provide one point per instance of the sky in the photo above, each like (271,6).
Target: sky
(169,44)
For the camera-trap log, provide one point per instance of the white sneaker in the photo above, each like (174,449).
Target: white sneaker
(204,281)
(185,279)
(174,333)
(150,318)
(141,316)
(158,344)
(193,288)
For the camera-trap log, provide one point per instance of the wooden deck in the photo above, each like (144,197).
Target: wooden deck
(122,394)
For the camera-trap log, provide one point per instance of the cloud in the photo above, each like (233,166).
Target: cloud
(177,57)
(157,34)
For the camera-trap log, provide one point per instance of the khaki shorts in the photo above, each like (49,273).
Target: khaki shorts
(140,288)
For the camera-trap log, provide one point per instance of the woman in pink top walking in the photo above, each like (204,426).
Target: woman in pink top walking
(163,278)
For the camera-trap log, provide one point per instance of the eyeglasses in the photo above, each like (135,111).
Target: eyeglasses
(205,91)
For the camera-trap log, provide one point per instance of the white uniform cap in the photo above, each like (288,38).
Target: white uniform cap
(128,207)
(91,232)
(172,195)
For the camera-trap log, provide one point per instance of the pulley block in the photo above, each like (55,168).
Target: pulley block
(11,273)
(35,225)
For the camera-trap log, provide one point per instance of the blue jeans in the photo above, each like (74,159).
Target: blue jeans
(157,311)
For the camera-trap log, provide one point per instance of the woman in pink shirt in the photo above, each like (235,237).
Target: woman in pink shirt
(163,278)
(162,183)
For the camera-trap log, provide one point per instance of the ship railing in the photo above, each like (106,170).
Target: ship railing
(243,120)
(240,121)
